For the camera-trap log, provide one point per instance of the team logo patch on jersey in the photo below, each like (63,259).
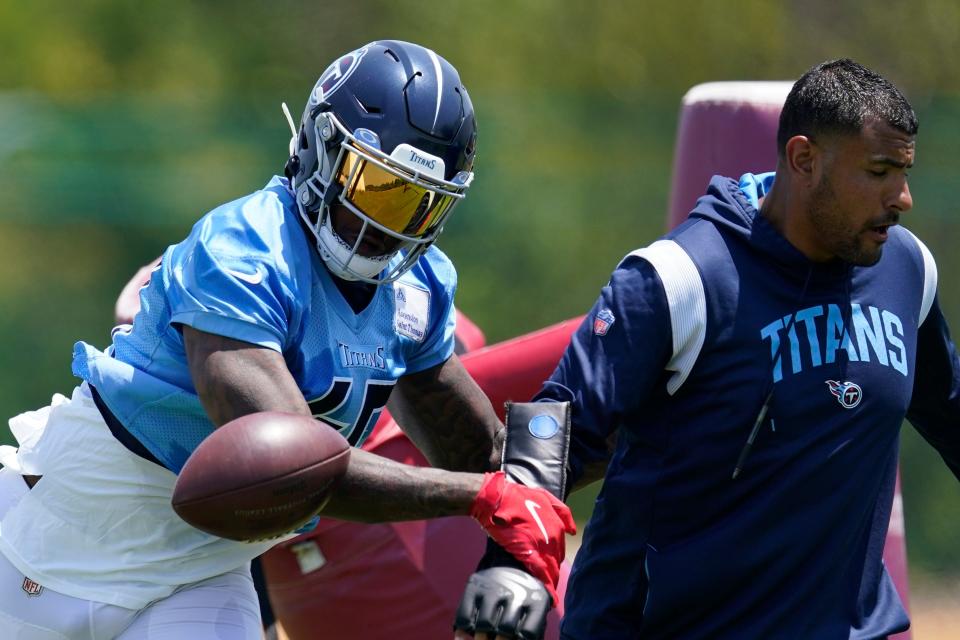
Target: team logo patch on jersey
(32,588)
(603,321)
(411,311)
(848,394)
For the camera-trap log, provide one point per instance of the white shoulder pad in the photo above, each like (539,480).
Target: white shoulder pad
(683,287)
(929,277)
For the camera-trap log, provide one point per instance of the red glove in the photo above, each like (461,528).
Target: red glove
(529,523)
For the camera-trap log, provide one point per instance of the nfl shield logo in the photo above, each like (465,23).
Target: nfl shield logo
(603,321)
(31,588)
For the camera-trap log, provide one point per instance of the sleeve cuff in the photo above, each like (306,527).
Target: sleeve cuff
(230,328)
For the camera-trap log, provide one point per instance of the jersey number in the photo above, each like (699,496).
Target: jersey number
(375,396)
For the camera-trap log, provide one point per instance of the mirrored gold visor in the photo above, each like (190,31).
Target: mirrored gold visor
(404,207)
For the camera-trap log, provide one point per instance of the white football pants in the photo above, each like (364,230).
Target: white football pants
(224,607)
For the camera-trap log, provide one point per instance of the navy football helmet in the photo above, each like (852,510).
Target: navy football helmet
(383,153)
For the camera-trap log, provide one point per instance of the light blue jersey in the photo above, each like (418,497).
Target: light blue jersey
(249,271)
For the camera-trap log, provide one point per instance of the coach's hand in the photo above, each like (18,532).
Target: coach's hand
(502,603)
(528,523)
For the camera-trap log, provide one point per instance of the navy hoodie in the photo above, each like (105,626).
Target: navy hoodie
(677,357)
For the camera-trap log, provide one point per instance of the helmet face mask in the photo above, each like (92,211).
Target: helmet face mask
(391,182)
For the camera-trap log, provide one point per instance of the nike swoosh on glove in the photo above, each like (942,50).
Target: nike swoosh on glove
(529,523)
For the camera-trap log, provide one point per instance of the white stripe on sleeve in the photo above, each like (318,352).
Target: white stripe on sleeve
(929,278)
(683,287)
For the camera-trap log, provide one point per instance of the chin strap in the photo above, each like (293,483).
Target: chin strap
(534,454)
(292,167)
(293,128)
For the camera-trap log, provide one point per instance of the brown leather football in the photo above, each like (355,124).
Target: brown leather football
(260,476)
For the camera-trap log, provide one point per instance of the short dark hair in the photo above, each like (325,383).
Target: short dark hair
(836,97)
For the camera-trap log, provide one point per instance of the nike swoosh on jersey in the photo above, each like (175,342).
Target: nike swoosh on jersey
(532,508)
(251,278)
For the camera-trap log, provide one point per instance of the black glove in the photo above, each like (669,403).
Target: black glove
(501,597)
(503,600)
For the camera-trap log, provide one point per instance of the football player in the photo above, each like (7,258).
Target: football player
(321,293)
(320,582)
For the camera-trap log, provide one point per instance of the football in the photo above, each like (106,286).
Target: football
(260,476)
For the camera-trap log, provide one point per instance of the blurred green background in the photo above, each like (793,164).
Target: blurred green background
(122,122)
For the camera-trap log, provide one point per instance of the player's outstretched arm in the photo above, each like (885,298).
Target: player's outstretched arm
(448,417)
(235,378)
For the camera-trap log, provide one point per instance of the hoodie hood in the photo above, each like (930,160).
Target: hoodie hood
(734,207)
